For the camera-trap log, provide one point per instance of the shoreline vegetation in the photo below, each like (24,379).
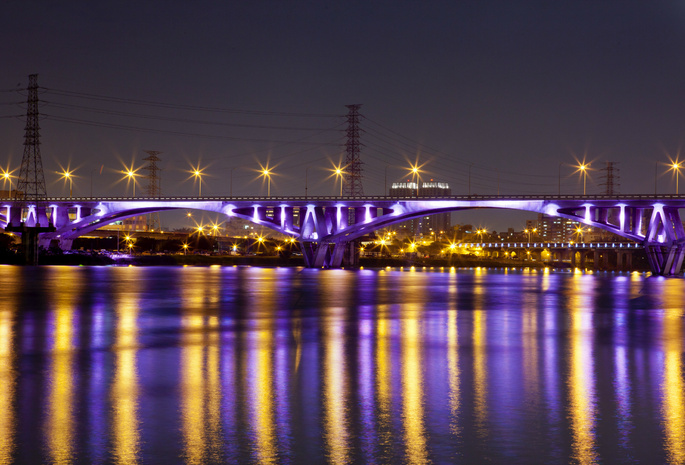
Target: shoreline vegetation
(277,261)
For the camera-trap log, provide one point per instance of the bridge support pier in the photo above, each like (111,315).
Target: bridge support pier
(665,259)
(329,255)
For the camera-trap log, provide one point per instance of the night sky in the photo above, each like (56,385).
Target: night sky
(511,88)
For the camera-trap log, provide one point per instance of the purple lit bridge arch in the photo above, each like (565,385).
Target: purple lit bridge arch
(326,227)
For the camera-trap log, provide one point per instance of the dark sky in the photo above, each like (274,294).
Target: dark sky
(512,88)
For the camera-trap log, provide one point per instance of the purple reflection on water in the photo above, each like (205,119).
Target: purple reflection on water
(384,366)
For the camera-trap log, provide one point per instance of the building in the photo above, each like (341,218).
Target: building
(554,229)
(433,226)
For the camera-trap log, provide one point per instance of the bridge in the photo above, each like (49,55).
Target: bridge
(326,227)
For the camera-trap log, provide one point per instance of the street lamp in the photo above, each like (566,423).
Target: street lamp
(7,176)
(415,171)
(529,231)
(559,178)
(385,178)
(266,172)
(68,175)
(340,173)
(132,177)
(198,175)
(583,168)
(185,248)
(480,233)
(579,232)
(675,166)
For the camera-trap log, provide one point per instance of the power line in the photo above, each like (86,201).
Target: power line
(185,107)
(165,131)
(179,120)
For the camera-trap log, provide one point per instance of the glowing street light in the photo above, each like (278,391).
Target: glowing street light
(415,171)
(583,169)
(185,248)
(68,176)
(579,232)
(675,166)
(131,175)
(340,173)
(480,233)
(7,176)
(266,172)
(529,231)
(196,172)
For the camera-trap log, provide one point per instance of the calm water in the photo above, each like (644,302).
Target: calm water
(255,365)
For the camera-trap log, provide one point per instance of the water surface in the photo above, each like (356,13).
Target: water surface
(286,365)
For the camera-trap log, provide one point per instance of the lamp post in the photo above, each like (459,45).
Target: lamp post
(198,175)
(266,172)
(385,178)
(339,173)
(7,176)
(559,178)
(66,174)
(132,177)
(676,167)
(583,169)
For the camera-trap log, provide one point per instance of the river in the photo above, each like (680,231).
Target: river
(292,365)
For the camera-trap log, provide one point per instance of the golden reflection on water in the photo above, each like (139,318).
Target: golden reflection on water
(673,408)
(581,375)
(412,386)
(453,355)
(383,384)
(334,376)
(480,381)
(192,388)
(335,391)
(7,378)
(65,290)
(529,341)
(124,390)
(200,371)
(259,371)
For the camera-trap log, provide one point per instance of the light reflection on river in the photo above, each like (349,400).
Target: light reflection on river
(285,365)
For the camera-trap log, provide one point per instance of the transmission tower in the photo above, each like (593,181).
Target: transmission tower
(611,178)
(352,187)
(31,183)
(153,187)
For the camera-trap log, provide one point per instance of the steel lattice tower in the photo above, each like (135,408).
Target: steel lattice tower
(153,187)
(352,186)
(31,183)
(611,178)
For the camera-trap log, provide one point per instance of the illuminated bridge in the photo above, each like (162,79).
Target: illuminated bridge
(327,227)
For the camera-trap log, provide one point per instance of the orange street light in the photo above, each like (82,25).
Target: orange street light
(7,176)
(266,173)
(68,176)
(131,175)
(675,166)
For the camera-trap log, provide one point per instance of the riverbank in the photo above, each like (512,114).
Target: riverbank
(273,261)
